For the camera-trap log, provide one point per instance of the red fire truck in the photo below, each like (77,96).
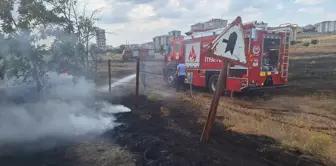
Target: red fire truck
(264,55)
(145,53)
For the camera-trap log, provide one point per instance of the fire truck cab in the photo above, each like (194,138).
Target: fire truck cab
(266,60)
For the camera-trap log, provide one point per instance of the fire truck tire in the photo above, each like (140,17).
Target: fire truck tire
(171,78)
(212,83)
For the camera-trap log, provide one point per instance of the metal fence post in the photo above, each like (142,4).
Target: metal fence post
(221,84)
(137,81)
(109,75)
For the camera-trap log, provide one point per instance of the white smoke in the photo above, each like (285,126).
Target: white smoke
(67,111)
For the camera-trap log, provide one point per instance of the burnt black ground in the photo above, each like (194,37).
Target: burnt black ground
(157,139)
(172,139)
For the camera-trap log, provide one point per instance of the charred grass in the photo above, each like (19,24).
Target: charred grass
(96,152)
(166,131)
(300,118)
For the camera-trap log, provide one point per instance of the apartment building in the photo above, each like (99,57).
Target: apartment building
(326,26)
(101,39)
(208,25)
(148,45)
(174,34)
(161,42)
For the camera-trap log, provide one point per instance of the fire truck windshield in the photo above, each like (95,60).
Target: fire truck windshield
(178,46)
(169,48)
(270,56)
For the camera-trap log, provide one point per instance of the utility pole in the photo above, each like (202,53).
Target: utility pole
(137,81)
(221,84)
(109,74)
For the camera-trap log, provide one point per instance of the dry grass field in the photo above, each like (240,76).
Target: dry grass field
(292,127)
(301,118)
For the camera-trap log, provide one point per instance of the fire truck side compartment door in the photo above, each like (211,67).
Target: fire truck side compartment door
(192,55)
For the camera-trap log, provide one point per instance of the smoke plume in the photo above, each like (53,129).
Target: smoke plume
(66,111)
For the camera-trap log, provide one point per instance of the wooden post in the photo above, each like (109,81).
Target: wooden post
(221,84)
(109,74)
(137,81)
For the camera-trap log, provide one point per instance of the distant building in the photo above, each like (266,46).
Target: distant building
(149,45)
(101,39)
(161,42)
(133,46)
(299,30)
(309,28)
(209,25)
(109,47)
(174,34)
(326,26)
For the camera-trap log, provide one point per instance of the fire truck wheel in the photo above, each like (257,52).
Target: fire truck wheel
(212,83)
(171,78)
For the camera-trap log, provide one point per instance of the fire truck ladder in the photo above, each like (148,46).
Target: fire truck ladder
(285,69)
(285,57)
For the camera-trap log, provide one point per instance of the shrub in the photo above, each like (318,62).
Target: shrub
(306,44)
(319,143)
(152,97)
(165,111)
(314,41)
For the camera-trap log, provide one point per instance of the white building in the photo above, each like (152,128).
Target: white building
(161,41)
(326,26)
(109,47)
(149,45)
(211,24)
(174,34)
(101,39)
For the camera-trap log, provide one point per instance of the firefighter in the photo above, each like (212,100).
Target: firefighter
(180,76)
(142,72)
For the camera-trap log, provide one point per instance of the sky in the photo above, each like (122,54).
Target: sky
(138,21)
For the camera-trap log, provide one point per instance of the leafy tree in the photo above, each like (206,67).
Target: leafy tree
(24,58)
(80,26)
(306,44)
(31,14)
(72,31)
(122,47)
(314,41)
(3,51)
(162,49)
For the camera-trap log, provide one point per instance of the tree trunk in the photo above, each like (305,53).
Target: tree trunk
(37,79)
